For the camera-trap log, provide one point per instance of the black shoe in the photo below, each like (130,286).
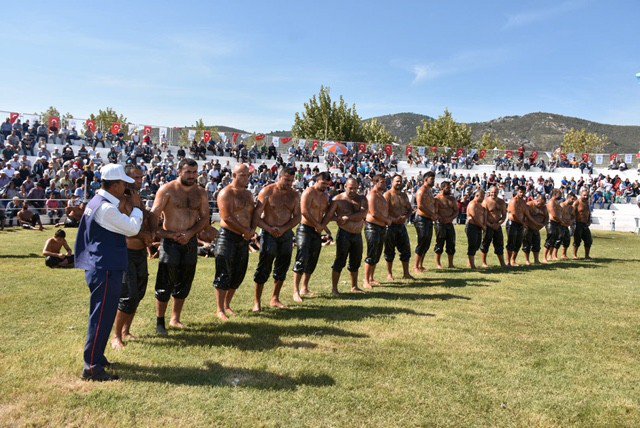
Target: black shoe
(161,330)
(100,377)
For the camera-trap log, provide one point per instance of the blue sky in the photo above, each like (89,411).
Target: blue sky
(252,64)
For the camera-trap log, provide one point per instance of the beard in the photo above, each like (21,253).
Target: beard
(187,182)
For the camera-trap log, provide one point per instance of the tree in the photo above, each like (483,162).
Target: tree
(584,142)
(325,119)
(107,117)
(54,112)
(489,142)
(443,132)
(375,132)
(199,127)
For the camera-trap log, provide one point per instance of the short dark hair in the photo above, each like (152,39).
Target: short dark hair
(522,188)
(444,184)
(396,175)
(378,178)
(324,175)
(60,234)
(187,162)
(288,170)
(130,167)
(429,174)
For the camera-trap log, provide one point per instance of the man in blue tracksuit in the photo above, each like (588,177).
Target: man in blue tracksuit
(101,251)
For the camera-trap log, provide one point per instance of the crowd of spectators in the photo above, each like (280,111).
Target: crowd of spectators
(57,182)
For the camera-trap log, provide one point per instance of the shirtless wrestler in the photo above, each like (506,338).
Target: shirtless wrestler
(476,223)
(349,210)
(555,222)
(136,277)
(397,235)
(237,229)
(531,239)
(184,208)
(278,213)
(518,215)
(313,206)
(496,215)
(425,216)
(568,219)
(447,212)
(582,233)
(52,251)
(74,211)
(375,231)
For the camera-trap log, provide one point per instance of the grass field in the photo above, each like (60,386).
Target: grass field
(544,346)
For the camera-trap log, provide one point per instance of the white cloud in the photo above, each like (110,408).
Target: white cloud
(539,15)
(461,63)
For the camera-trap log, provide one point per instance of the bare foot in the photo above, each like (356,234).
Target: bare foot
(335,293)
(528,263)
(129,336)
(222,316)
(116,343)
(390,277)
(307,293)
(176,324)
(439,266)
(257,308)
(576,258)
(407,276)
(374,283)
(297,298)
(230,311)
(588,258)
(565,258)
(367,286)
(514,264)
(357,290)
(275,303)
(484,265)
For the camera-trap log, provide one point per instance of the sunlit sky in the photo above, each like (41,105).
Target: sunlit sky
(252,64)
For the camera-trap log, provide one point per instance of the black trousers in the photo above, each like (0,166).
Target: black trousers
(424,230)
(309,244)
(134,285)
(564,239)
(278,250)
(445,235)
(176,269)
(375,236)
(474,238)
(531,240)
(397,238)
(514,237)
(348,245)
(232,258)
(495,236)
(553,235)
(582,233)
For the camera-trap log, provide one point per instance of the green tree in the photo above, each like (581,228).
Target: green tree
(106,118)
(443,132)
(54,112)
(199,127)
(584,142)
(325,119)
(375,132)
(489,142)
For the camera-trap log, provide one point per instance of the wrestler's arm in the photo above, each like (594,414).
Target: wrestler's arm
(375,213)
(296,216)
(67,247)
(261,202)
(526,216)
(203,220)
(225,204)
(159,204)
(305,204)
(46,252)
(362,214)
(454,211)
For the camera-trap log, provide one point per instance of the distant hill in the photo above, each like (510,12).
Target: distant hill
(544,131)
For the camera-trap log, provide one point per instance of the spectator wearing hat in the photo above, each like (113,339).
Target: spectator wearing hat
(101,251)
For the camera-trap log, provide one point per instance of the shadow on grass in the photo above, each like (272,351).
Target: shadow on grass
(216,375)
(250,336)
(22,256)
(386,295)
(346,312)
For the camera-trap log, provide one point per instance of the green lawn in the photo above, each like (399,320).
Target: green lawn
(545,346)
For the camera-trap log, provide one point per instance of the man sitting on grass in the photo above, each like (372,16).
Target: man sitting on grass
(55,258)
(28,219)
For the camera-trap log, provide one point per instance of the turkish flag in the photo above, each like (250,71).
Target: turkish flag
(91,124)
(13,117)
(460,152)
(585,157)
(147,130)
(260,137)
(534,155)
(207,136)
(613,156)
(285,140)
(638,155)
(409,151)
(315,144)
(434,149)
(483,154)
(235,137)
(509,154)
(115,128)
(362,148)
(54,123)
(388,149)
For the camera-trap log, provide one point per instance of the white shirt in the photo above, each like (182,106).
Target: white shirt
(109,217)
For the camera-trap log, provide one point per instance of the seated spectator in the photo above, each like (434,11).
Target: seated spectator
(74,211)
(55,258)
(206,241)
(28,219)
(54,211)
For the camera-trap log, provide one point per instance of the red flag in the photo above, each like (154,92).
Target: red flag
(13,117)
(563,156)
(115,128)
(315,144)
(483,154)
(638,155)
(235,137)
(534,155)
(509,154)
(91,124)
(260,137)
(434,149)
(285,140)
(460,152)
(207,136)
(147,130)
(409,151)
(54,123)
(585,157)
(613,156)
(388,149)
(362,148)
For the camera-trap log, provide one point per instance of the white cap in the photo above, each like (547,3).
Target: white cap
(113,172)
